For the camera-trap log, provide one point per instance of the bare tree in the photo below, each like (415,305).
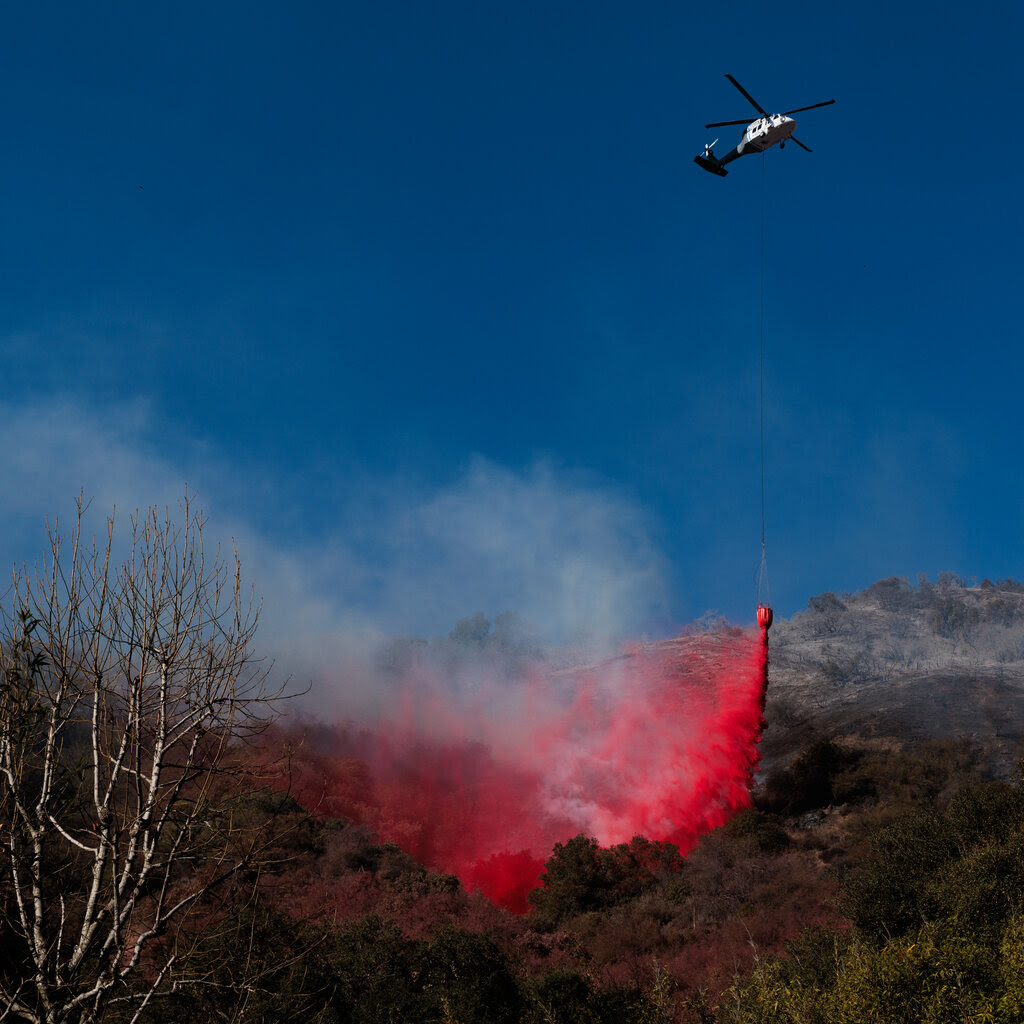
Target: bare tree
(124,693)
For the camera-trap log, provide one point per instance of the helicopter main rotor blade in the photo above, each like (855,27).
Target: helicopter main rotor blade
(757,106)
(811,107)
(793,138)
(721,124)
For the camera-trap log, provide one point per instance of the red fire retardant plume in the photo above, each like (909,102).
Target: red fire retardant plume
(659,742)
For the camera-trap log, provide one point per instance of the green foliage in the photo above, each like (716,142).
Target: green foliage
(762,829)
(657,1006)
(564,996)
(902,780)
(893,894)
(993,811)
(814,957)
(572,882)
(467,978)
(937,975)
(376,973)
(676,891)
(813,773)
(1010,1004)
(810,782)
(940,917)
(569,996)
(581,877)
(766,997)
(965,865)
(636,866)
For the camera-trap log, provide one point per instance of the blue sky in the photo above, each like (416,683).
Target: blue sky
(430,306)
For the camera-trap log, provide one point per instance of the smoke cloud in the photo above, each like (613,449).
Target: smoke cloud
(389,555)
(475,752)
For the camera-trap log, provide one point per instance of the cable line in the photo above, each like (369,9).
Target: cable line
(764,602)
(764,188)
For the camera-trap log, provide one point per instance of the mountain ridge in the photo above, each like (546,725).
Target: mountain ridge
(936,661)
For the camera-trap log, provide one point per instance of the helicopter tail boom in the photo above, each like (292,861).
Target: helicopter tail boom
(710,164)
(716,164)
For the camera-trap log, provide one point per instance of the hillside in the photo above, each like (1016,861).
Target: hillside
(879,867)
(889,714)
(932,661)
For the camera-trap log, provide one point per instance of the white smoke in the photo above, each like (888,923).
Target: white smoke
(570,554)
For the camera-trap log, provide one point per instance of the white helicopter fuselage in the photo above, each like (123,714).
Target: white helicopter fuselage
(765,132)
(758,136)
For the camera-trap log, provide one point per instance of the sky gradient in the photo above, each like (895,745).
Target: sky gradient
(431,308)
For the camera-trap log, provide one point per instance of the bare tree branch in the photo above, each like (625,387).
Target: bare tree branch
(124,692)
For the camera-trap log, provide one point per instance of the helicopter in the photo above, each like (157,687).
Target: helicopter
(759,135)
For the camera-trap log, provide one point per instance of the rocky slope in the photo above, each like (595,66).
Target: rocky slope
(932,661)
